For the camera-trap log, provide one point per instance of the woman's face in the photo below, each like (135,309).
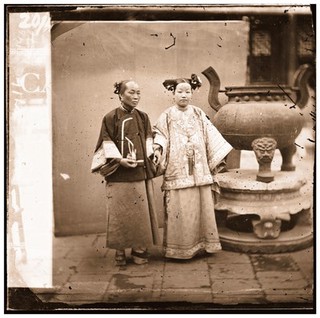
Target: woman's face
(183,94)
(131,95)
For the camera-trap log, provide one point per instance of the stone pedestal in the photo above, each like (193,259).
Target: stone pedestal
(255,216)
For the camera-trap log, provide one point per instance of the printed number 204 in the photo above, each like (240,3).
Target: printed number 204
(33,21)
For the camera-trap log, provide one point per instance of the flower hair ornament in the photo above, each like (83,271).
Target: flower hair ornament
(170,85)
(194,81)
(117,87)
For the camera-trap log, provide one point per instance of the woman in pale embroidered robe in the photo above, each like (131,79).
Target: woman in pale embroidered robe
(191,149)
(123,156)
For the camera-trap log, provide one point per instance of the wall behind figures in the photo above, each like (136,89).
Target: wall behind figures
(88,58)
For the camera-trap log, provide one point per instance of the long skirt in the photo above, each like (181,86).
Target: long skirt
(131,215)
(190,224)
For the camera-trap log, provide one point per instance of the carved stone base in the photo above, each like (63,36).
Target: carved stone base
(298,238)
(267,228)
(267,217)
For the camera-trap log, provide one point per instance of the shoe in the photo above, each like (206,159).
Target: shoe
(139,258)
(120,258)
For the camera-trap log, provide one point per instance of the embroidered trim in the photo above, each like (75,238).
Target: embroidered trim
(189,253)
(187,182)
(110,150)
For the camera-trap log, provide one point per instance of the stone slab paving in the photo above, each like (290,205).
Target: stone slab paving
(281,277)
(80,292)
(134,286)
(286,280)
(63,269)
(305,261)
(232,286)
(128,296)
(186,279)
(132,281)
(191,295)
(85,273)
(197,264)
(95,265)
(89,251)
(231,270)
(225,257)
(92,277)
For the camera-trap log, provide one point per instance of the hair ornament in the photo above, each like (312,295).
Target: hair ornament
(117,87)
(195,81)
(170,84)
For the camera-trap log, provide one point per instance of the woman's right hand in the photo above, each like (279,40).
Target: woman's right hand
(128,163)
(156,157)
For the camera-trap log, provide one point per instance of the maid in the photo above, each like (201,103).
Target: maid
(123,156)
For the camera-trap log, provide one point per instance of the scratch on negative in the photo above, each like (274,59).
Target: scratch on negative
(287,96)
(174,42)
(298,145)
(65,176)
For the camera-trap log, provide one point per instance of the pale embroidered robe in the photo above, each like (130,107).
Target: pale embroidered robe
(190,224)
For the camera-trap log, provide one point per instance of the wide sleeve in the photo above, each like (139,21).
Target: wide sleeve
(161,133)
(105,148)
(110,149)
(161,138)
(217,147)
(149,137)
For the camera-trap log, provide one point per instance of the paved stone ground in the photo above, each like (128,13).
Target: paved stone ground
(84,273)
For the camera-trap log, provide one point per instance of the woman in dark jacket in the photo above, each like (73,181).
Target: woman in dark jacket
(123,156)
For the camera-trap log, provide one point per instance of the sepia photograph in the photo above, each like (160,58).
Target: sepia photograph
(160,158)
